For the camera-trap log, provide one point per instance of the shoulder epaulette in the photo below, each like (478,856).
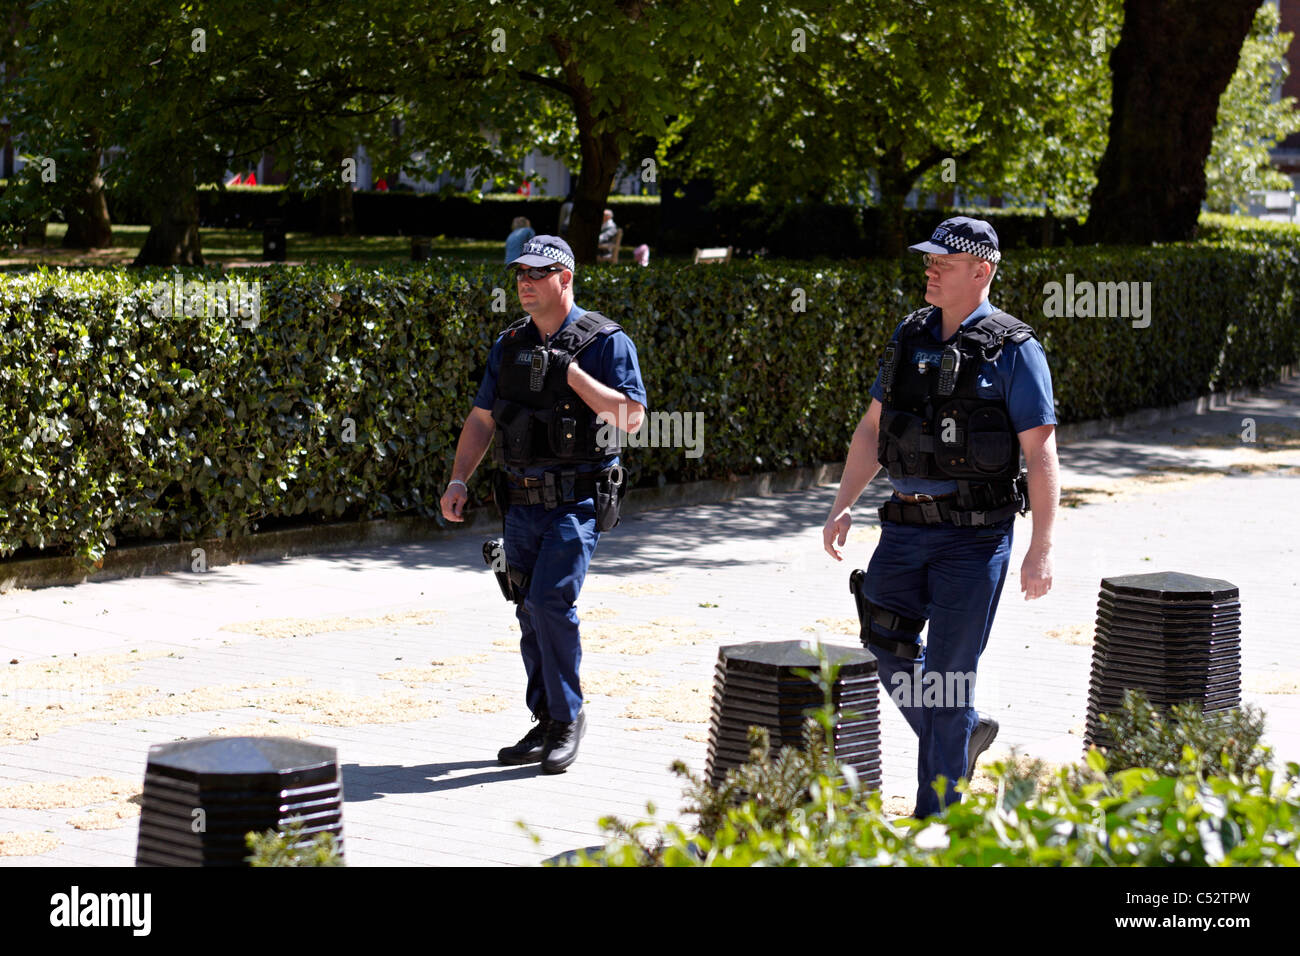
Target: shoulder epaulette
(516,326)
(993,331)
(582,331)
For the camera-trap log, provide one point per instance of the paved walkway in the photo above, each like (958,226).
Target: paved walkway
(419,680)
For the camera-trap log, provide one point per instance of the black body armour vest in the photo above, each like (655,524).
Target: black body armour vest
(933,423)
(549,425)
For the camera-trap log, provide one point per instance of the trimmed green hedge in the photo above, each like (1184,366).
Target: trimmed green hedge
(119,424)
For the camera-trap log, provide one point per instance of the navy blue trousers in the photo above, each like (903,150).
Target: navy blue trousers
(556,548)
(953,577)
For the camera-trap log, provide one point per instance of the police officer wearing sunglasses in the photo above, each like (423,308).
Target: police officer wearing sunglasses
(963,390)
(559,483)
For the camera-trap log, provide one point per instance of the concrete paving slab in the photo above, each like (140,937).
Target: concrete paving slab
(668,587)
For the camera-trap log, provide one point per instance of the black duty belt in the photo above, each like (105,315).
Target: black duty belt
(552,489)
(945,511)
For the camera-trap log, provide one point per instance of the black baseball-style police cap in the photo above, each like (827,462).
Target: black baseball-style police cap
(545,251)
(962,234)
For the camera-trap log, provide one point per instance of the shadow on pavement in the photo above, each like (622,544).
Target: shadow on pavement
(362,783)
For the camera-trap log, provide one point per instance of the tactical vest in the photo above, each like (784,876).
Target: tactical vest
(934,424)
(550,425)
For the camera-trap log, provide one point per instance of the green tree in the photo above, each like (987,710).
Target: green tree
(840,101)
(178,94)
(1173,61)
(1250,121)
(585,82)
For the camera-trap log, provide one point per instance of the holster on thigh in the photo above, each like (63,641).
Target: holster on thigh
(873,618)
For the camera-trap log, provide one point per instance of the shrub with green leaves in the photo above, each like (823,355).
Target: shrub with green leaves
(797,809)
(1184,739)
(345,399)
(1134,817)
(289,847)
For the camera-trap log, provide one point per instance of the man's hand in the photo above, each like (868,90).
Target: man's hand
(557,365)
(836,532)
(453,502)
(1036,573)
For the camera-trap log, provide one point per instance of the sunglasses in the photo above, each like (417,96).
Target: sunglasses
(537,273)
(943,262)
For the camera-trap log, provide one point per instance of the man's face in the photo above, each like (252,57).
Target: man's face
(541,295)
(953,279)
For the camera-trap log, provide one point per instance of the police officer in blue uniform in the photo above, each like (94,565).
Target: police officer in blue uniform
(549,375)
(963,389)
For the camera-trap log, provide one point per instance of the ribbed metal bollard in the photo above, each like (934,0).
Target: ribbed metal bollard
(202,796)
(1175,637)
(755,684)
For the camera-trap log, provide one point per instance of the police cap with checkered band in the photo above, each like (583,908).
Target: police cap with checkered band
(545,251)
(962,234)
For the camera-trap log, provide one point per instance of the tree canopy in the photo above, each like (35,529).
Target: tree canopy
(1250,121)
(827,101)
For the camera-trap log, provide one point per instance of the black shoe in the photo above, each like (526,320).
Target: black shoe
(980,738)
(530,749)
(562,743)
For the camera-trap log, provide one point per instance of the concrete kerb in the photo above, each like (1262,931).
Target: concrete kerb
(1146,417)
(141,560)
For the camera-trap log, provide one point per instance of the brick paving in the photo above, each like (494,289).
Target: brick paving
(428,791)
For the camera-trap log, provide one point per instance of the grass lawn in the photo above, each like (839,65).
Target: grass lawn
(227,246)
(238,246)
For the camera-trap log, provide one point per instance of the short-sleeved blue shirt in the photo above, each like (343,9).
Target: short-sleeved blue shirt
(610,360)
(515,243)
(1019,377)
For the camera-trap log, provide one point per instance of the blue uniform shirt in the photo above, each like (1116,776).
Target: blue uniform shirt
(515,243)
(610,360)
(1019,377)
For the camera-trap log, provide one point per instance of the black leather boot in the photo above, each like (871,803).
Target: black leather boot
(531,748)
(562,743)
(980,738)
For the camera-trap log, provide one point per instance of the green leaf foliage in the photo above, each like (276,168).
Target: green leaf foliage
(797,808)
(1251,120)
(1184,738)
(291,847)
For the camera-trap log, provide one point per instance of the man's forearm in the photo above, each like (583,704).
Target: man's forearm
(1044,492)
(612,405)
(475,437)
(860,466)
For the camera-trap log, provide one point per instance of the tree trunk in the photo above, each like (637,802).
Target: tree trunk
(88,224)
(1173,61)
(335,215)
(600,158)
(594,181)
(1047,238)
(173,238)
(895,182)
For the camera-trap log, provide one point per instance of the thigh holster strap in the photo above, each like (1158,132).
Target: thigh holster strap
(870,613)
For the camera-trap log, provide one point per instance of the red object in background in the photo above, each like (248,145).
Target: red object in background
(525,188)
(237,181)
(251,180)
(382,186)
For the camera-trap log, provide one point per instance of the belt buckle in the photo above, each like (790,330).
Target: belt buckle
(921,498)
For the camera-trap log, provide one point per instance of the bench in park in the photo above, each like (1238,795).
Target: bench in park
(720,254)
